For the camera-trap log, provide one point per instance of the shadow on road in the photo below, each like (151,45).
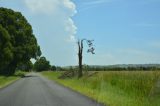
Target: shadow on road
(28,76)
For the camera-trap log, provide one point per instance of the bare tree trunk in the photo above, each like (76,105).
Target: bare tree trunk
(80,73)
(80,54)
(80,51)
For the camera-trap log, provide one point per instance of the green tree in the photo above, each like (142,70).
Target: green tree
(22,44)
(6,49)
(53,68)
(42,64)
(28,66)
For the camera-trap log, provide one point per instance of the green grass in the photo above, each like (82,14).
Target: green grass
(135,88)
(5,80)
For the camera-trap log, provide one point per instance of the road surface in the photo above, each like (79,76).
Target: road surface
(35,90)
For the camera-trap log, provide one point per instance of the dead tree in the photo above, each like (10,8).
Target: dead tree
(80,53)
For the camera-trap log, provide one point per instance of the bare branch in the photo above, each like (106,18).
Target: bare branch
(80,53)
(91,50)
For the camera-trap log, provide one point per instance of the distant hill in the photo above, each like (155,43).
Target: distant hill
(128,65)
(117,67)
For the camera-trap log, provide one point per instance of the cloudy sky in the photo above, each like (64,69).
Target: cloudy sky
(124,31)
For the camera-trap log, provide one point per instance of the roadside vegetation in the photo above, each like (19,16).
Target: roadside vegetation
(5,80)
(116,88)
(18,44)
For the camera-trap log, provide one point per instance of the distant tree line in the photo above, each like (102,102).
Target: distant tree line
(121,68)
(41,64)
(109,68)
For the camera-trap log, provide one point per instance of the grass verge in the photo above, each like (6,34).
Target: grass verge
(135,88)
(5,80)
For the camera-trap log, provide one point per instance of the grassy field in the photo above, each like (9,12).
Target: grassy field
(5,80)
(135,88)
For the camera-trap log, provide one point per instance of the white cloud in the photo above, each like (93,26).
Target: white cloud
(51,6)
(63,9)
(53,21)
(70,5)
(71,29)
(42,6)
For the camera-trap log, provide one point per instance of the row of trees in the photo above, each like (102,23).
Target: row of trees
(105,68)
(108,68)
(41,64)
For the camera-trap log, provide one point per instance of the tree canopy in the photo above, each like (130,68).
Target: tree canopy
(42,64)
(6,49)
(17,41)
(28,66)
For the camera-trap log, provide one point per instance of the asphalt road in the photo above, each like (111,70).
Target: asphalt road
(35,90)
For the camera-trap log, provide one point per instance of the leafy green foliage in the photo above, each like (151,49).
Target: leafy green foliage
(27,66)
(53,68)
(19,43)
(6,49)
(42,64)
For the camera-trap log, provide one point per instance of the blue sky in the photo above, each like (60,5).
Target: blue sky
(124,31)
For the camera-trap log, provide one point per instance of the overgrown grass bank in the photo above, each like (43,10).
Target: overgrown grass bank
(135,88)
(5,80)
